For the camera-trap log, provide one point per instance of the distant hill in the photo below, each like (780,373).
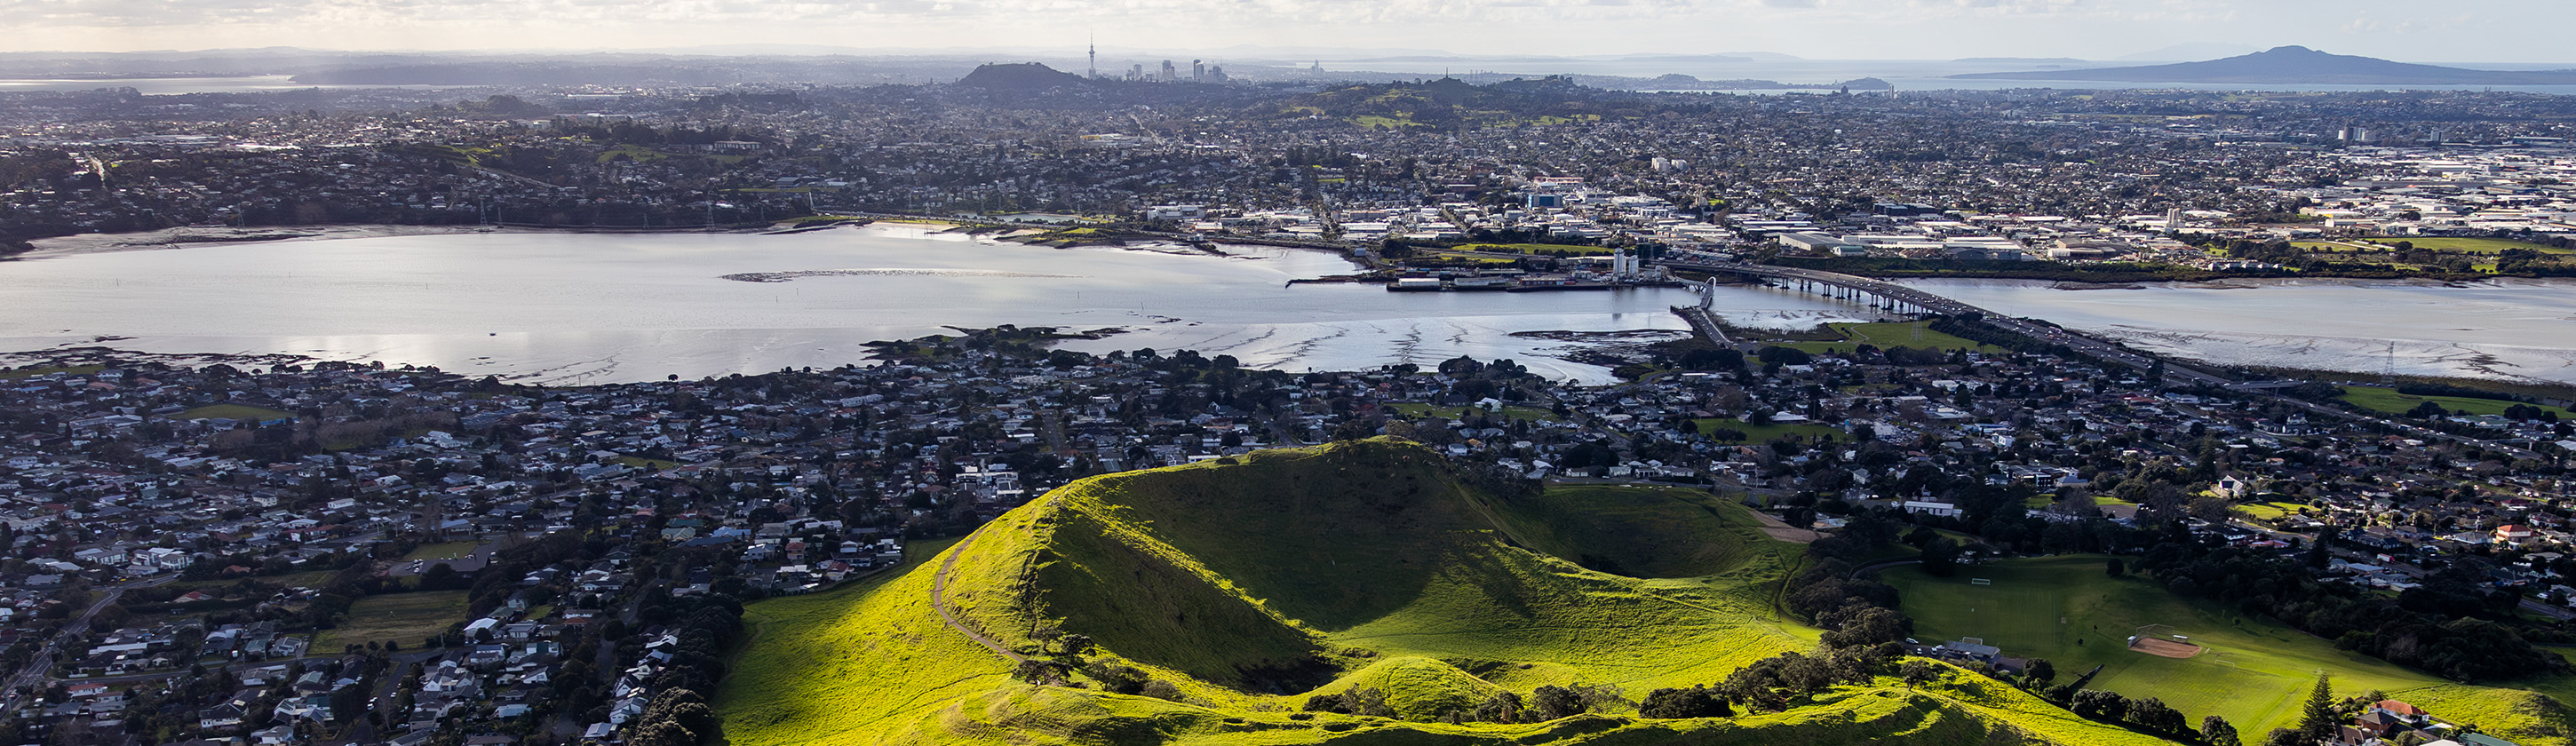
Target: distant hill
(2294,65)
(1239,587)
(1020,76)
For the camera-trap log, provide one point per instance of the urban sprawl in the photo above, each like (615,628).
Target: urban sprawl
(271,550)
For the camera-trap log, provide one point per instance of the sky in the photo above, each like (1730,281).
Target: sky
(2503,31)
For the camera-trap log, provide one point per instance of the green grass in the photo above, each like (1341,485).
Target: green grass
(2271,511)
(653,464)
(2389,401)
(234,412)
(648,155)
(1452,257)
(445,550)
(312,579)
(2471,245)
(1418,688)
(1891,334)
(2254,671)
(1368,558)
(47,370)
(406,618)
(1649,532)
(1535,248)
(1373,121)
(1510,411)
(2036,502)
(1766,433)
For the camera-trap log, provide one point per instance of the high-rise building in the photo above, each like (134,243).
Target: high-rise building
(1170,73)
(1198,71)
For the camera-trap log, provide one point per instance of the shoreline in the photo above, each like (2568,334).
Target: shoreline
(198,238)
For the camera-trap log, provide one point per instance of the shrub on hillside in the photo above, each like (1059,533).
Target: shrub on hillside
(1503,707)
(1359,701)
(1695,702)
(1554,702)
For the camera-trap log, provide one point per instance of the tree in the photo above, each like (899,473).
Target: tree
(2038,674)
(664,733)
(1554,702)
(1941,557)
(2215,731)
(1358,701)
(1039,671)
(1368,701)
(2115,568)
(1695,702)
(2285,737)
(1503,707)
(1856,626)
(1918,672)
(2100,705)
(2154,715)
(441,577)
(2318,719)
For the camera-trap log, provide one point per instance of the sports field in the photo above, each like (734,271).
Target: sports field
(1766,433)
(405,618)
(1886,335)
(2251,671)
(2470,245)
(234,412)
(2388,400)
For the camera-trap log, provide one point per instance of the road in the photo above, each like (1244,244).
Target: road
(2096,348)
(43,661)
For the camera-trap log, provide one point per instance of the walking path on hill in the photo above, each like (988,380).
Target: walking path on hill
(939,600)
(1884,564)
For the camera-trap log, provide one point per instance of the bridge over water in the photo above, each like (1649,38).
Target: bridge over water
(1901,299)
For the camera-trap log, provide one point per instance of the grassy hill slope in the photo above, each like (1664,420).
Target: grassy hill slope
(1250,583)
(2254,671)
(1644,532)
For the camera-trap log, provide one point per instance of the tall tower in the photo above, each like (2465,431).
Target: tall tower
(1095,58)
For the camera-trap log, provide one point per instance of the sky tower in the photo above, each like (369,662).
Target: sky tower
(1095,58)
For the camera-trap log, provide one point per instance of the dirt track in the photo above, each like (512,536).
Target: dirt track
(2166,648)
(939,600)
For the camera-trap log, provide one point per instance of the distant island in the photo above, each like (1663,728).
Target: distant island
(2294,65)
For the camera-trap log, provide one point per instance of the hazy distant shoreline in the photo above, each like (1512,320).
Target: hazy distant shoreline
(198,237)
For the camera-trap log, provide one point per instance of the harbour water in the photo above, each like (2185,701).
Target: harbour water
(576,308)
(2510,329)
(587,308)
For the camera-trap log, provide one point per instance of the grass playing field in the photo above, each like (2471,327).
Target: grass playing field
(234,412)
(1510,412)
(2470,245)
(406,618)
(1766,433)
(1885,335)
(2388,400)
(2252,671)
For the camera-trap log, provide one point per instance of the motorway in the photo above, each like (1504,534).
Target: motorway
(2094,347)
(1950,307)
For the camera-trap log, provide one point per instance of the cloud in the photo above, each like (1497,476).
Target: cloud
(1925,29)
